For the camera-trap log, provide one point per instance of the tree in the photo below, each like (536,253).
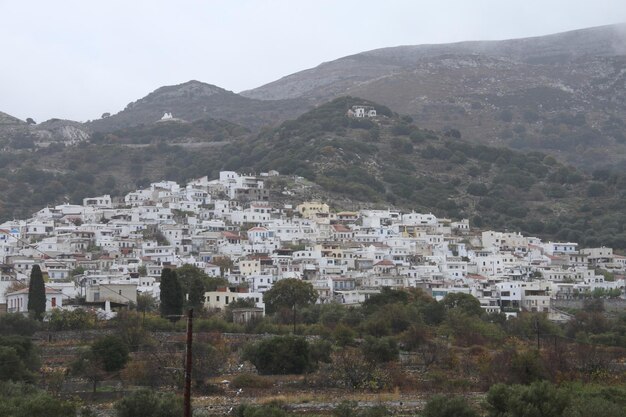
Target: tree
(290,293)
(146,303)
(172,298)
(187,274)
(36,294)
(477,189)
(224,262)
(467,304)
(352,370)
(386,296)
(130,329)
(281,355)
(31,121)
(79,270)
(111,352)
(195,296)
(18,358)
(527,367)
(107,354)
(195,282)
(208,358)
(11,366)
(238,303)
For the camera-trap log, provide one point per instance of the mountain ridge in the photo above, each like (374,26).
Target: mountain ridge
(392,58)
(521,93)
(564,94)
(195,100)
(8,120)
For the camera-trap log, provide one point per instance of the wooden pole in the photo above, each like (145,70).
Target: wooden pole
(187,389)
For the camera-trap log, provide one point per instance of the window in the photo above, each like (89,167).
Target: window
(53,302)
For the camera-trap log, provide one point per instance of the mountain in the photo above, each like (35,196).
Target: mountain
(344,74)
(563,93)
(386,161)
(8,120)
(193,101)
(389,161)
(18,135)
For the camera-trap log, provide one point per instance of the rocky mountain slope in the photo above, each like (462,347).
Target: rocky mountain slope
(8,120)
(563,93)
(16,134)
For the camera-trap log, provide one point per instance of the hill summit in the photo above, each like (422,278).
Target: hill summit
(195,100)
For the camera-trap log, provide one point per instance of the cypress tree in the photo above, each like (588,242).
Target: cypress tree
(171,294)
(36,294)
(196,293)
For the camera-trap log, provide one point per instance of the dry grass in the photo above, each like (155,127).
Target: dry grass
(331,397)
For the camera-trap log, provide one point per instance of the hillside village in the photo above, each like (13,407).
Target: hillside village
(102,254)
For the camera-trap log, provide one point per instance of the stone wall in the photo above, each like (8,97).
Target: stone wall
(90,335)
(610,305)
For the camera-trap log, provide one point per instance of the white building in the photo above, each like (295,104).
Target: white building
(221,298)
(17,301)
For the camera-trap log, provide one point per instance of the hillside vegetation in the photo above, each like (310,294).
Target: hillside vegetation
(383,162)
(390,161)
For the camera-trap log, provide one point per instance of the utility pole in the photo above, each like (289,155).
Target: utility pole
(187,389)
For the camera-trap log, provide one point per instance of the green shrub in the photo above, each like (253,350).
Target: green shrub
(538,399)
(157,324)
(17,323)
(78,319)
(18,358)
(147,403)
(380,350)
(444,406)
(477,189)
(268,410)
(20,400)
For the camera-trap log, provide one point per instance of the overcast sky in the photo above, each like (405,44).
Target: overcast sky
(78,59)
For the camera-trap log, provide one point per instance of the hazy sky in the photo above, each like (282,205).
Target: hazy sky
(78,59)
